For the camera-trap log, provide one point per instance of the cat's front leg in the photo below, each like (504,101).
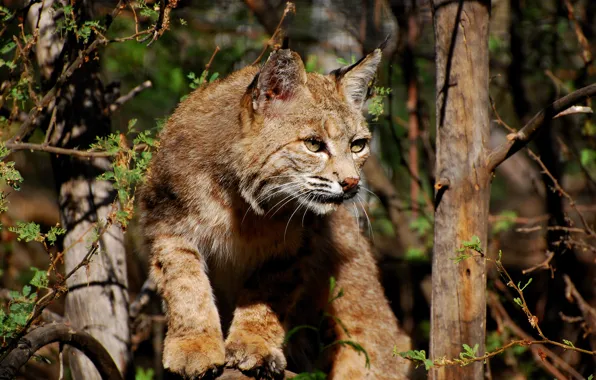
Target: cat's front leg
(193,347)
(366,319)
(255,339)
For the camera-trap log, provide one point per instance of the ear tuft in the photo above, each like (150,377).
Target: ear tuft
(279,79)
(354,81)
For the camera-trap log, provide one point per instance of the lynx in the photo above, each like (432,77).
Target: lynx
(245,212)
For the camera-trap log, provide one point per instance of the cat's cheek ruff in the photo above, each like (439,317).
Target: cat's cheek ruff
(252,201)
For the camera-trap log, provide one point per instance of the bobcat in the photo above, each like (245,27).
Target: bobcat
(244,212)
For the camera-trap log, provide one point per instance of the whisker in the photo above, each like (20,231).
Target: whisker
(290,219)
(375,195)
(357,216)
(289,198)
(367,218)
(357,220)
(271,193)
(278,189)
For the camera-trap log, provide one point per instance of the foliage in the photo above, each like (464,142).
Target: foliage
(418,357)
(8,173)
(21,306)
(129,167)
(377,104)
(144,374)
(29,231)
(505,220)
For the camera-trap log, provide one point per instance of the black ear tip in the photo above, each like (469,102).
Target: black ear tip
(286,43)
(383,44)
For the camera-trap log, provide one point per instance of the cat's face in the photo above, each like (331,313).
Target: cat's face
(307,139)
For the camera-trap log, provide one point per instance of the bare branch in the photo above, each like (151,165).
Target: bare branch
(588,312)
(52,149)
(529,131)
(131,94)
(51,333)
(143,298)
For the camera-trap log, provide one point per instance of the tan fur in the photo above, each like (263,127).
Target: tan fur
(246,225)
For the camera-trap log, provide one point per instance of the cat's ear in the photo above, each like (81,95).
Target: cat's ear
(354,81)
(279,80)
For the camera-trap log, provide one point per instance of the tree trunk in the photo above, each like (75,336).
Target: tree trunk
(97,298)
(458,313)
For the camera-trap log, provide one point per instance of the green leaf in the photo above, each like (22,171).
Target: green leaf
(469,352)
(568,342)
(8,173)
(317,375)
(416,356)
(505,220)
(53,234)
(213,77)
(459,258)
(144,374)
(8,47)
(40,278)
(416,255)
(294,330)
(27,231)
(525,286)
(342,61)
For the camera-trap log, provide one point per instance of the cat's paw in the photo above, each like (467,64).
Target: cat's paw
(252,355)
(199,357)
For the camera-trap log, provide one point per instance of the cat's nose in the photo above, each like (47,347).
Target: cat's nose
(349,183)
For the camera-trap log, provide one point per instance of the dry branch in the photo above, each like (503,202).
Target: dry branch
(62,333)
(517,141)
(131,94)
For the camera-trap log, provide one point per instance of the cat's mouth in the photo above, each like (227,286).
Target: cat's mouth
(334,198)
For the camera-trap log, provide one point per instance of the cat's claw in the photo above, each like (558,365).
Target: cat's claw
(254,358)
(197,359)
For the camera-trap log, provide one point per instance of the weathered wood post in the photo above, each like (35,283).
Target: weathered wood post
(462,186)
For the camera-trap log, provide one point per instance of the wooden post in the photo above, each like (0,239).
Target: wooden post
(97,298)
(462,186)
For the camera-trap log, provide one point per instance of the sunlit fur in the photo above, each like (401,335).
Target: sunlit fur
(233,190)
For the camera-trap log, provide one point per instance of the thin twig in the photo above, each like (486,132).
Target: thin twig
(545,264)
(539,352)
(581,38)
(531,129)
(290,8)
(59,287)
(208,65)
(131,94)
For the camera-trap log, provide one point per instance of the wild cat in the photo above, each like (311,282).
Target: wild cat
(244,211)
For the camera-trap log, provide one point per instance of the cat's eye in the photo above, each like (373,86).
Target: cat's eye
(358,146)
(313,145)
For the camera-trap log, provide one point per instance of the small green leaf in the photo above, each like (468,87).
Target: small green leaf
(294,330)
(53,234)
(342,61)
(27,231)
(40,278)
(568,342)
(526,285)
